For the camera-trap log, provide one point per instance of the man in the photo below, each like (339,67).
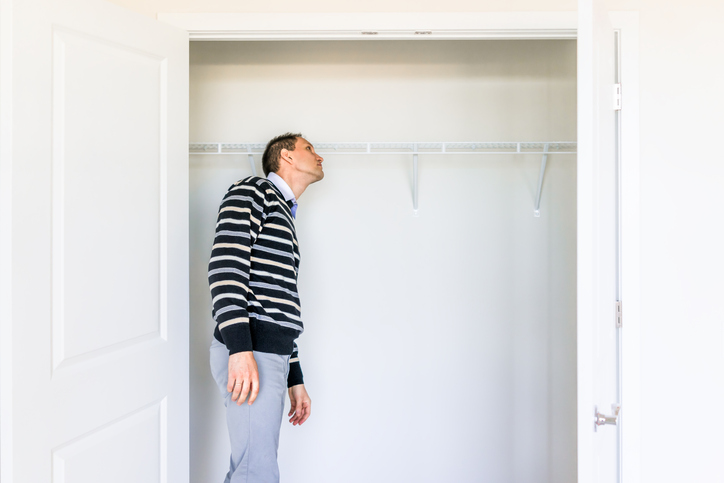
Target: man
(253,282)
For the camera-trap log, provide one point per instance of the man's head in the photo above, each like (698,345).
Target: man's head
(291,154)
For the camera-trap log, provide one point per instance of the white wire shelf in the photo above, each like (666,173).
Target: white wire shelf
(414,148)
(399,148)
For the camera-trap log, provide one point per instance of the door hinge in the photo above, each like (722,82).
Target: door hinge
(619,317)
(601,419)
(617,97)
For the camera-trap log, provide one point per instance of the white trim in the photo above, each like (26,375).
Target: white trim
(489,25)
(628,24)
(585,214)
(58,199)
(6,246)
(375,26)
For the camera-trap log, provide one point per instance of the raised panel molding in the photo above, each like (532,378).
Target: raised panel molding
(99,234)
(133,448)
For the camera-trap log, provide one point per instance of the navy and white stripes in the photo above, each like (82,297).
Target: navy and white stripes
(253,273)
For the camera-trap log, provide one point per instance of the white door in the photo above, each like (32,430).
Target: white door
(99,355)
(597,332)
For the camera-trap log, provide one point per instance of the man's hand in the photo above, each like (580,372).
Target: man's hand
(243,377)
(301,404)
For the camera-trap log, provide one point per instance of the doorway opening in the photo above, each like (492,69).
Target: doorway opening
(442,346)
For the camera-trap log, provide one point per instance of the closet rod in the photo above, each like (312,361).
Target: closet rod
(399,148)
(414,148)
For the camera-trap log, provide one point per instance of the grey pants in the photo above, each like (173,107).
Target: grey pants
(253,430)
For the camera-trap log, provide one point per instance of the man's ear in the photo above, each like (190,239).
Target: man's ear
(285,156)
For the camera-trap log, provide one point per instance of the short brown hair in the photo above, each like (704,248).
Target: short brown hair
(273,151)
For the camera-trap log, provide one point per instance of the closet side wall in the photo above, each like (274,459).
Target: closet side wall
(439,347)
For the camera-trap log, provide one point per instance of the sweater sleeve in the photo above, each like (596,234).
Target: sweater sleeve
(240,219)
(295,369)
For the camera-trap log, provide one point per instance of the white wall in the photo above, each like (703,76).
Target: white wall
(439,347)
(152,7)
(682,325)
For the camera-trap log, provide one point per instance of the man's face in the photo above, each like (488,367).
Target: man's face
(306,160)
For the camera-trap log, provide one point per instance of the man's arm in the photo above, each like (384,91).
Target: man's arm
(238,224)
(295,369)
(300,403)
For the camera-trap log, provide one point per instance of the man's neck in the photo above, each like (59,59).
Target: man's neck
(297,185)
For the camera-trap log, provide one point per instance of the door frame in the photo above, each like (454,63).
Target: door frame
(502,26)
(6,238)
(627,24)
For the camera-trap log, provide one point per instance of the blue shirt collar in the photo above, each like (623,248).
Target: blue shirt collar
(282,186)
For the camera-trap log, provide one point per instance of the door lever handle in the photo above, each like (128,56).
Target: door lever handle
(602,419)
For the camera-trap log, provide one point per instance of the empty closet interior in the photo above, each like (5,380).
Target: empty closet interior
(439,343)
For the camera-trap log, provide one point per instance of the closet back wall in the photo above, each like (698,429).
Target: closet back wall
(436,348)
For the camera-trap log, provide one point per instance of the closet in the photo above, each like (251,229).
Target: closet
(439,310)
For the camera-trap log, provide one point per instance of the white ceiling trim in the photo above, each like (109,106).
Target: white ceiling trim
(375,26)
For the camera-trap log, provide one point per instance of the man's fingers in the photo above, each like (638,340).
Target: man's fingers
(297,413)
(244,392)
(301,405)
(302,414)
(254,388)
(307,411)
(236,388)
(301,410)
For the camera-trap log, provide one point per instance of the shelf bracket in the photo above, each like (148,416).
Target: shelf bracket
(536,210)
(414,180)
(251,160)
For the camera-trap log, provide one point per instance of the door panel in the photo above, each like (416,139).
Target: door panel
(89,81)
(597,333)
(100,251)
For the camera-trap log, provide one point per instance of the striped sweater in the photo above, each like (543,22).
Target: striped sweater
(253,273)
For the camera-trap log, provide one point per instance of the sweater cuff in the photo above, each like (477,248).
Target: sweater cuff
(295,374)
(237,337)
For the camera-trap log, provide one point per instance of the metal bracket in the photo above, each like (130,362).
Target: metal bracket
(251,160)
(536,210)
